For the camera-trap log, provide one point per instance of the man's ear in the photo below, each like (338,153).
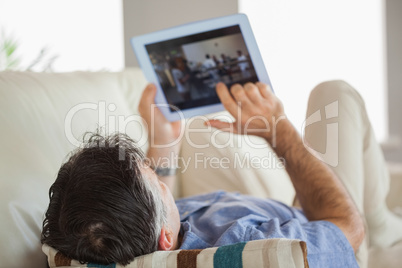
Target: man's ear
(166,239)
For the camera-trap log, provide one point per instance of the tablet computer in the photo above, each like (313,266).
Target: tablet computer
(186,62)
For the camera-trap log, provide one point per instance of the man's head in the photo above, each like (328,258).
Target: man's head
(107,206)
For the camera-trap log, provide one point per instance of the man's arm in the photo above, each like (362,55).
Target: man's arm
(164,158)
(163,136)
(322,196)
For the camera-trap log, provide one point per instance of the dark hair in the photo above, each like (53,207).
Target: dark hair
(173,63)
(101,209)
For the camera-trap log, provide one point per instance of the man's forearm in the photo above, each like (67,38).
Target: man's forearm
(321,194)
(161,132)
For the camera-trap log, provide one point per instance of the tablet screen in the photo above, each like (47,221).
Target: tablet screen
(189,67)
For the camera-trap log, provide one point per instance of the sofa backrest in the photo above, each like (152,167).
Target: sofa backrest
(42,118)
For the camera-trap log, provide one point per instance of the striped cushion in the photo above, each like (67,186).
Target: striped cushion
(259,253)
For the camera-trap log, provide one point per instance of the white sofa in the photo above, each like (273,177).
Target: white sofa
(44,115)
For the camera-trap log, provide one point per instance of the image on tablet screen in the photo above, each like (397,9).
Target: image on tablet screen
(189,67)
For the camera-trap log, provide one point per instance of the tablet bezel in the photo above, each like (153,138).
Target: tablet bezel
(139,45)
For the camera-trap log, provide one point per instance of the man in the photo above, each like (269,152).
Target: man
(180,80)
(107,206)
(243,64)
(210,65)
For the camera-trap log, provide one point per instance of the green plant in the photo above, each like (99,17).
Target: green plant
(9,60)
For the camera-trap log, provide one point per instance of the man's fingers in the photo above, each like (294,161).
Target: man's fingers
(147,98)
(148,95)
(226,99)
(265,90)
(253,93)
(240,95)
(224,126)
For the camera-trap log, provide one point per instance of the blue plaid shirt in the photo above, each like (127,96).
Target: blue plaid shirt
(221,218)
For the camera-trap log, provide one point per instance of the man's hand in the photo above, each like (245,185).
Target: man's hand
(322,196)
(160,130)
(256,109)
(163,136)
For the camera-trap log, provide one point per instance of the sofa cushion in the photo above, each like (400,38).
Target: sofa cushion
(273,253)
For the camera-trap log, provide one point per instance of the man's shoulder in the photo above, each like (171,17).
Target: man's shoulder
(189,205)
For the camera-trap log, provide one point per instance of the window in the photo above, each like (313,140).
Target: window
(78,35)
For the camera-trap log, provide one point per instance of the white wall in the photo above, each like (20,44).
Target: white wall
(306,42)
(143,16)
(85,35)
(227,45)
